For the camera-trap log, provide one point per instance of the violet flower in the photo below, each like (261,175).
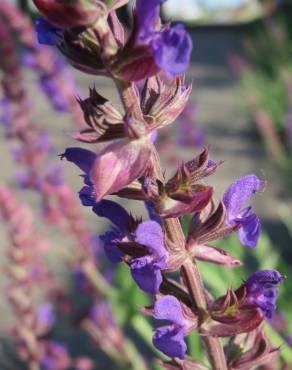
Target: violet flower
(145,269)
(261,288)
(234,198)
(169,339)
(171,47)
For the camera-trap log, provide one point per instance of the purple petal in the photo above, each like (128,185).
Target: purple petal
(250,231)
(150,234)
(169,308)
(82,158)
(110,239)
(47,33)
(172,50)
(113,212)
(240,192)
(262,290)
(147,17)
(264,276)
(146,274)
(170,341)
(87,196)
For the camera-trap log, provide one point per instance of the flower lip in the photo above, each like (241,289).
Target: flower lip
(261,289)
(146,270)
(170,338)
(239,192)
(265,276)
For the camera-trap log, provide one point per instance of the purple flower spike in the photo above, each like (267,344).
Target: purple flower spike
(169,339)
(234,198)
(262,290)
(146,271)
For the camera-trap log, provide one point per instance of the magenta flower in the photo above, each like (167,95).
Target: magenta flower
(144,244)
(169,339)
(261,288)
(234,198)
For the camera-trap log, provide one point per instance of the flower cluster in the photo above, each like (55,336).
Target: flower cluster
(147,64)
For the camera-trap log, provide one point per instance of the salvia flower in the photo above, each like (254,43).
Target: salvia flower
(261,288)
(169,339)
(244,310)
(144,244)
(152,48)
(234,199)
(172,50)
(171,47)
(146,270)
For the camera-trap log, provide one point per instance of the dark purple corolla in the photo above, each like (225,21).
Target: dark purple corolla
(169,339)
(234,199)
(145,269)
(171,47)
(261,289)
(47,33)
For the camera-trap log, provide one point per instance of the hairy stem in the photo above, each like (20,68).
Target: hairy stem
(195,285)
(189,270)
